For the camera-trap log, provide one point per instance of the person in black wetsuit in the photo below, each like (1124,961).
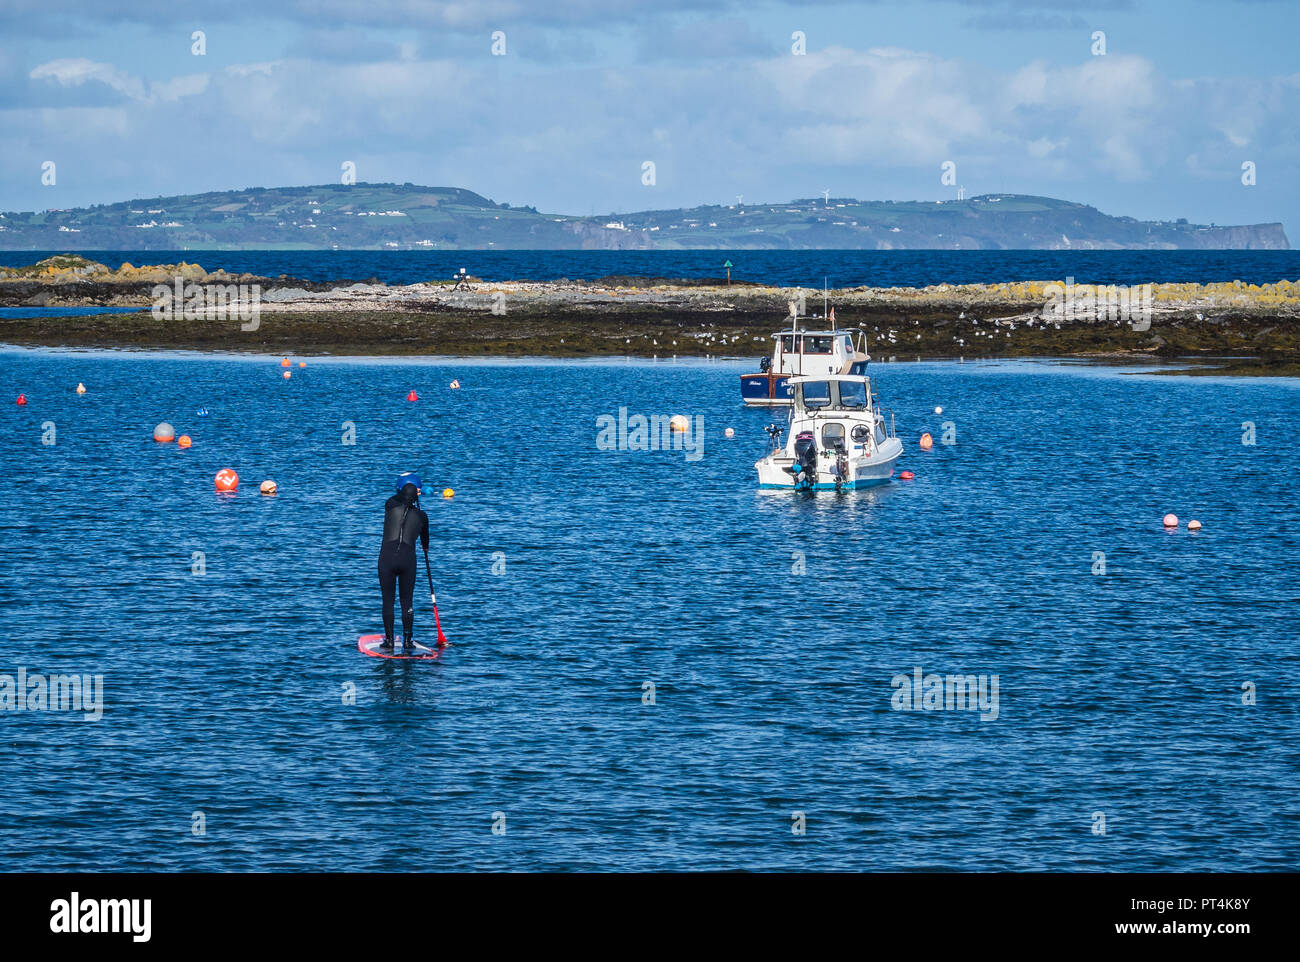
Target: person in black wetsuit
(404,522)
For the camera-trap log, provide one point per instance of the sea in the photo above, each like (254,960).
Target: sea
(654,665)
(832,268)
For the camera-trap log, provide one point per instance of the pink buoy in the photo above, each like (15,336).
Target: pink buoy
(1171,521)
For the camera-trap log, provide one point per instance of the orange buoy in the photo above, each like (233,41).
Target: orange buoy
(183,441)
(1171,521)
(927,442)
(302,363)
(22,399)
(906,475)
(285,362)
(164,433)
(413,396)
(268,487)
(227,480)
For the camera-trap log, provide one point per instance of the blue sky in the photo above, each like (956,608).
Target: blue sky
(710,91)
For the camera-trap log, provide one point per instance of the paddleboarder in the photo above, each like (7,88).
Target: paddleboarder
(404,522)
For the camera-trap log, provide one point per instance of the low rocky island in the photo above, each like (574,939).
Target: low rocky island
(1244,328)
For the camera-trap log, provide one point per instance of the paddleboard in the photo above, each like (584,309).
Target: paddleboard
(369,645)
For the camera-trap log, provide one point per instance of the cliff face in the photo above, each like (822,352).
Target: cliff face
(409,217)
(1257,237)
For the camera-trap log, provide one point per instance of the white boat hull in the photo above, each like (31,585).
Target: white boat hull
(874,468)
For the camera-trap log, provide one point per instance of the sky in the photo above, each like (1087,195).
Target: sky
(720,96)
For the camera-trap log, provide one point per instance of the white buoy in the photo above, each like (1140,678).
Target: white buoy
(730,432)
(1171,520)
(938,410)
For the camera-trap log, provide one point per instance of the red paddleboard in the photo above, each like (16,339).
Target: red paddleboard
(369,645)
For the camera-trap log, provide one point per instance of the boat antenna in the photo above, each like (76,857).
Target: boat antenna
(826,298)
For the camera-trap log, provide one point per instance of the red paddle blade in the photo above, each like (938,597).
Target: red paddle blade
(442,639)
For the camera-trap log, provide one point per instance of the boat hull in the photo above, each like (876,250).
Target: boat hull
(863,472)
(766,390)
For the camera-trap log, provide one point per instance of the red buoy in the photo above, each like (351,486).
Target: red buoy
(413,396)
(22,399)
(906,476)
(227,480)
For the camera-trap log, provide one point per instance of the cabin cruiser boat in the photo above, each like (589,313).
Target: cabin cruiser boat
(796,353)
(838,437)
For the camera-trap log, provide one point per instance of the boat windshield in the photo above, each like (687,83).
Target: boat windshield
(853,394)
(816,394)
(817,344)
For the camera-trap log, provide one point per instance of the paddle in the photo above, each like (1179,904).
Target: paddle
(442,639)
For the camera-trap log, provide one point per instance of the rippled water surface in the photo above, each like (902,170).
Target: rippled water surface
(914,268)
(1119,693)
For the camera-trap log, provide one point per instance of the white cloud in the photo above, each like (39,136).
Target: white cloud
(75,71)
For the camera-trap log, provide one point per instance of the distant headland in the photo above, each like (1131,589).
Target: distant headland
(410,217)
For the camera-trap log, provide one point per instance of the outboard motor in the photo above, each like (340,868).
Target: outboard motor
(805,460)
(835,450)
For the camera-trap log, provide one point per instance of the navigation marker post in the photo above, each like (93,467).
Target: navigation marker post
(728,267)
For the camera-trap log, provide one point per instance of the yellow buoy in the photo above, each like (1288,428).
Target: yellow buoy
(448,493)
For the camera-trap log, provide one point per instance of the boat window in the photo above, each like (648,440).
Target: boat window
(787,343)
(859,367)
(816,394)
(853,394)
(819,344)
(848,344)
(833,435)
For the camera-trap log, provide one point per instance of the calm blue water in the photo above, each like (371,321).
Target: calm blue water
(807,268)
(65,311)
(1118,694)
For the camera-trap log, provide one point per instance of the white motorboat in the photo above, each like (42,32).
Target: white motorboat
(796,353)
(838,437)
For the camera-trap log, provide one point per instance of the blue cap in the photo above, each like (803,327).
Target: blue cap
(410,477)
